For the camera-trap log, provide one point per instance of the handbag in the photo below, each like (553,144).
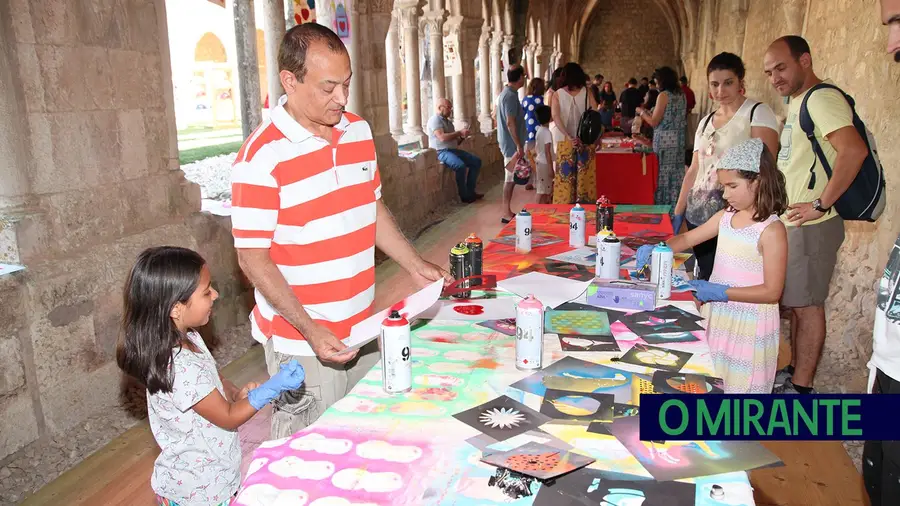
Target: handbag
(590,126)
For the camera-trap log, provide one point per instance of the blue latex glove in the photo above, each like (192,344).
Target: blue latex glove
(642,256)
(709,292)
(290,377)
(677,221)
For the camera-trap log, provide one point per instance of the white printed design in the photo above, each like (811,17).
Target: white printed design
(266,495)
(256,465)
(295,467)
(382,450)
(337,501)
(501,418)
(360,479)
(320,444)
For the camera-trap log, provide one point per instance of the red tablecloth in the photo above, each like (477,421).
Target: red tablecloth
(627,178)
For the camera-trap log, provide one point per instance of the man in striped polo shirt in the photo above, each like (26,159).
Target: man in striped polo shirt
(307,216)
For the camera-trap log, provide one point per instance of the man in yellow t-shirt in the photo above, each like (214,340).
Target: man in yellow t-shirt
(815,231)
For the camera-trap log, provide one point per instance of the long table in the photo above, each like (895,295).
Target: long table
(375,448)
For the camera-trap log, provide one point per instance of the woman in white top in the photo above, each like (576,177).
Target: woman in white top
(736,119)
(575,177)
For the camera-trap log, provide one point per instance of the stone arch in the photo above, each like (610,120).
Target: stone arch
(210,48)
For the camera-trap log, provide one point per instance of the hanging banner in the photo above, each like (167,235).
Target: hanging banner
(304,11)
(452,62)
(341,20)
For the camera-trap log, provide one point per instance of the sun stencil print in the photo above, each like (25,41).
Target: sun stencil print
(502,418)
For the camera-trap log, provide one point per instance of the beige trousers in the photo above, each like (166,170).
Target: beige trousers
(324,385)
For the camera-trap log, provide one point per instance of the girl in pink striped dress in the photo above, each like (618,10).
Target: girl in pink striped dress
(741,297)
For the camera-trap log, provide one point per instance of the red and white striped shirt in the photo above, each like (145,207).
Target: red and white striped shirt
(311,202)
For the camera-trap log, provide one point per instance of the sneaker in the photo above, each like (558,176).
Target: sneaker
(788,388)
(782,375)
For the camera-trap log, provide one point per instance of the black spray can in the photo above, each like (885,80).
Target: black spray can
(460,267)
(605,214)
(476,249)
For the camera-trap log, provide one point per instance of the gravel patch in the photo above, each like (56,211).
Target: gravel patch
(41,462)
(213,175)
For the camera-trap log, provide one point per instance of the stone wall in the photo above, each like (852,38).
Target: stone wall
(629,38)
(848,47)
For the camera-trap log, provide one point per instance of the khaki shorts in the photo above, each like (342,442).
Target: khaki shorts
(324,385)
(812,255)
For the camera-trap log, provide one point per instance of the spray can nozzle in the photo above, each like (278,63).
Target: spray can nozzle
(395,315)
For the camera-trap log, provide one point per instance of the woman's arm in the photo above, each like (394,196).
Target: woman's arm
(658,112)
(773,247)
(555,114)
(548,152)
(689,176)
(769,138)
(694,237)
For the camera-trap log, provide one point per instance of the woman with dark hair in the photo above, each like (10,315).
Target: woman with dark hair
(575,169)
(608,102)
(737,119)
(534,98)
(669,122)
(552,86)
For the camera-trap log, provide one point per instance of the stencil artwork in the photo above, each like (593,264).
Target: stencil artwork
(642,324)
(581,376)
(588,486)
(672,337)
(506,326)
(675,460)
(538,460)
(561,269)
(611,314)
(657,358)
(578,406)
(588,343)
(502,418)
(681,383)
(639,218)
(586,323)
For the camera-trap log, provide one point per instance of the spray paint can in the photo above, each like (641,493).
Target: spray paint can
(529,333)
(461,267)
(523,232)
(396,363)
(577,226)
(602,234)
(605,214)
(476,251)
(661,269)
(609,251)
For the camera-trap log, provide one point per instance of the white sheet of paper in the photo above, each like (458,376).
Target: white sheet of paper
(367,330)
(11,268)
(486,309)
(550,290)
(585,255)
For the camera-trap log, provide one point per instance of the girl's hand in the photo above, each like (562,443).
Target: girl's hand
(242,394)
(709,292)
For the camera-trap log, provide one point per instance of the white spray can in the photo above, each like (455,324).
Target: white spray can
(396,359)
(577,228)
(523,232)
(661,269)
(529,333)
(609,252)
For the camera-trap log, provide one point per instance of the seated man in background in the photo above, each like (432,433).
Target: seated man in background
(443,138)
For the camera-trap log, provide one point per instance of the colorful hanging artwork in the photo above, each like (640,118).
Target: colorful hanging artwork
(304,11)
(341,20)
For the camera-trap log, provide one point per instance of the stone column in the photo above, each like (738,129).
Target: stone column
(248,66)
(484,80)
(289,21)
(505,47)
(354,100)
(273,11)
(13,138)
(462,109)
(540,56)
(409,22)
(392,69)
(434,21)
(496,67)
(529,61)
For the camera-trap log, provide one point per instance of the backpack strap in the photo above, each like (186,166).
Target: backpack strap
(708,119)
(808,127)
(753,111)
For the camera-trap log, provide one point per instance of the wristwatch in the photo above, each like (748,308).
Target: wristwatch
(817,205)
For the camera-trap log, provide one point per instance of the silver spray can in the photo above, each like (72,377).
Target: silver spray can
(661,269)
(523,232)
(577,228)
(529,333)
(396,363)
(609,251)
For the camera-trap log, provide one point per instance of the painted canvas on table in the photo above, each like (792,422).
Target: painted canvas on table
(502,418)
(586,323)
(685,383)
(639,218)
(586,256)
(538,460)
(561,270)
(611,314)
(588,343)
(642,324)
(658,358)
(506,326)
(675,460)
(674,312)
(590,487)
(578,406)
(581,376)
(671,337)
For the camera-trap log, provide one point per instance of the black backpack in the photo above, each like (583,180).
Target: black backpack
(865,199)
(590,126)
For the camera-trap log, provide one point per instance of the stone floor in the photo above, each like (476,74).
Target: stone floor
(41,462)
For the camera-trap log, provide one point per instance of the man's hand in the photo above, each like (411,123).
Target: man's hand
(520,151)
(325,345)
(464,133)
(424,273)
(800,213)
